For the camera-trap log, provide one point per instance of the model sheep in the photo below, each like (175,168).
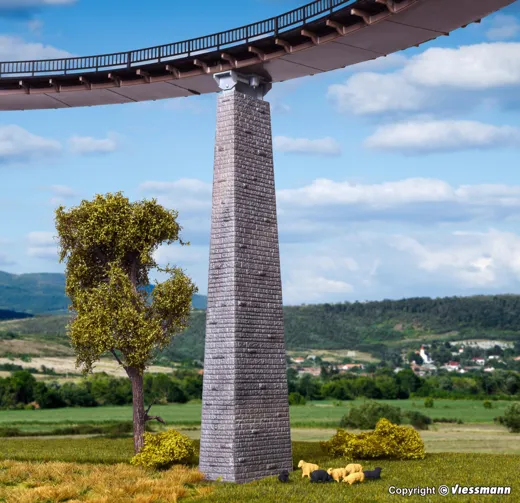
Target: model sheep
(353,468)
(307,468)
(320,476)
(337,473)
(284,476)
(354,477)
(373,474)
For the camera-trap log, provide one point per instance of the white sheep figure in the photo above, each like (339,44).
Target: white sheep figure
(354,477)
(337,473)
(307,468)
(353,468)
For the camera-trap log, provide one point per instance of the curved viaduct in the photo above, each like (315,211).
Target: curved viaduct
(245,433)
(318,37)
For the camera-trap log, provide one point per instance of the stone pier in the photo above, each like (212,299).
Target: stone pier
(245,432)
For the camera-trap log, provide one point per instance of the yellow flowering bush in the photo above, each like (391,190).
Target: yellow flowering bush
(161,450)
(388,440)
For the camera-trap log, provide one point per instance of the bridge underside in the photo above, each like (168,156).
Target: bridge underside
(339,40)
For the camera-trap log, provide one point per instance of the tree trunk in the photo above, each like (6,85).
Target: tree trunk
(138,405)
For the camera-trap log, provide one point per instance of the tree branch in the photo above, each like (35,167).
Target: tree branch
(149,418)
(113,351)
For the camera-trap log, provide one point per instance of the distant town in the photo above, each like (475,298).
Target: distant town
(456,356)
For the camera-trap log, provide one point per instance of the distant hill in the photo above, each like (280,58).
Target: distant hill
(44,293)
(13,315)
(374,327)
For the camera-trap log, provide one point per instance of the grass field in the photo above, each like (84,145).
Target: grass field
(323,414)
(469,438)
(19,480)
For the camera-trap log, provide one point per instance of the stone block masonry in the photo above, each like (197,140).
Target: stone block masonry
(245,433)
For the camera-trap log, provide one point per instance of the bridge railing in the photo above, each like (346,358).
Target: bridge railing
(216,41)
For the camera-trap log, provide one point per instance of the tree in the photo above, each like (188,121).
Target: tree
(108,245)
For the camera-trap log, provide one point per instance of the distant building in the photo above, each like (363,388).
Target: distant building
(517,358)
(351,366)
(489,369)
(298,359)
(478,361)
(311,370)
(451,366)
(424,356)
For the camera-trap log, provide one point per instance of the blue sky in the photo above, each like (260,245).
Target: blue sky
(395,178)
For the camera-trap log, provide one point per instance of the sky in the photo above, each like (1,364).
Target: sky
(395,178)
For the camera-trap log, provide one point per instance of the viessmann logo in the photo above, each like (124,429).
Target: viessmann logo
(444,490)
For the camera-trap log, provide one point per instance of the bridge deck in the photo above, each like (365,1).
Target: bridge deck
(351,32)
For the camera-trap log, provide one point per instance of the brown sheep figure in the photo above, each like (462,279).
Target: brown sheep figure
(307,468)
(337,473)
(354,477)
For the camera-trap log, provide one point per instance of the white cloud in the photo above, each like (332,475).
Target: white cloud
(379,195)
(16,49)
(324,146)
(370,93)
(18,145)
(479,259)
(42,245)
(503,27)
(416,137)
(186,194)
(479,66)
(437,79)
(180,255)
(88,145)
(41,239)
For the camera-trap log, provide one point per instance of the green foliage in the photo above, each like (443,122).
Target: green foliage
(109,245)
(417,420)
(296,399)
(388,441)
(366,416)
(511,418)
(21,388)
(162,450)
(487,404)
(429,403)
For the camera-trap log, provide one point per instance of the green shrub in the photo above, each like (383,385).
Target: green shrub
(428,403)
(296,398)
(417,420)
(366,416)
(487,404)
(511,418)
(162,450)
(389,441)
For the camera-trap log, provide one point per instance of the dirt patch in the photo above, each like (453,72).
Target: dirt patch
(66,365)
(31,347)
(336,355)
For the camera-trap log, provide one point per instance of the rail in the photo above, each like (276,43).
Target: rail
(187,48)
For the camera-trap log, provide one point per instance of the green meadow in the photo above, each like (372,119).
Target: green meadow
(322,414)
